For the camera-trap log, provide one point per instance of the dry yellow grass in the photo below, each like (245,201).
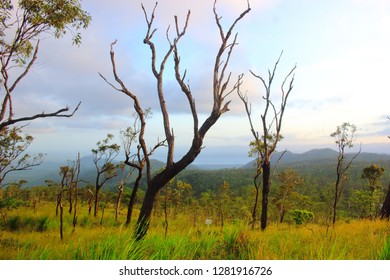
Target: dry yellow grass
(354,240)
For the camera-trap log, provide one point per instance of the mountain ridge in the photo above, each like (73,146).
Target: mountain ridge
(50,170)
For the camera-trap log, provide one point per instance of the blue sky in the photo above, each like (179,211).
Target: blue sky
(340,48)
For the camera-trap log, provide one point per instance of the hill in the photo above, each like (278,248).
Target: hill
(320,156)
(318,164)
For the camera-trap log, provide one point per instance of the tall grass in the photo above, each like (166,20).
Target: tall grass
(37,237)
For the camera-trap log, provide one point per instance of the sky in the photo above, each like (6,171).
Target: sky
(340,48)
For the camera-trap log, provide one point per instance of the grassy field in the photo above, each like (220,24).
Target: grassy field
(28,235)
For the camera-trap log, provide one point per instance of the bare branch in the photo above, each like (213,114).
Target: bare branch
(57,114)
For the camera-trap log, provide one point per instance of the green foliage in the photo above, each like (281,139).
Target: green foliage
(12,152)
(10,203)
(372,174)
(344,135)
(37,17)
(301,216)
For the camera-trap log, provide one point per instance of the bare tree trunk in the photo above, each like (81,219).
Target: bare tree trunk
(166,198)
(337,194)
(133,197)
(71,197)
(90,201)
(95,209)
(282,213)
(145,213)
(257,189)
(76,190)
(266,187)
(118,200)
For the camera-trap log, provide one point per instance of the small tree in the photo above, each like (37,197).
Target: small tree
(223,197)
(372,175)
(103,157)
(121,186)
(271,126)
(12,152)
(287,195)
(301,216)
(344,137)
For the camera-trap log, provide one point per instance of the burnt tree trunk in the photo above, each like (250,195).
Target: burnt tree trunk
(266,187)
(159,181)
(257,188)
(385,211)
(133,197)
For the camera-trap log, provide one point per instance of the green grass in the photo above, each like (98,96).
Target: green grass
(36,236)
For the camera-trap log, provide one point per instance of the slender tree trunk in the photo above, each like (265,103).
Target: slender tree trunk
(96,201)
(61,207)
(254,211)
(336,197)
(118,201)
(4,216)
(90,201)
(266,187)
(70,198)
(166,210)
(282,216)
(75,209)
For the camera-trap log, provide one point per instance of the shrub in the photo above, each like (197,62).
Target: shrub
(301,216)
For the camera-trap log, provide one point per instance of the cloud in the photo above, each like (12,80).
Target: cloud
(341,50)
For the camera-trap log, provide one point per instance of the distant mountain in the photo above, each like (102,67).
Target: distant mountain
(50,171)
(318,161)
(320,156)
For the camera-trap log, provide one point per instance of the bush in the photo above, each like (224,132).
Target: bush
(14,223)
(301,216)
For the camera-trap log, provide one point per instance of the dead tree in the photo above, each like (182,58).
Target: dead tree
(220,91)
(266,141)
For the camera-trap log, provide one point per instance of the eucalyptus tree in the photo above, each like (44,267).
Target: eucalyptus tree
(103,159)
(344,137)
(13,156)
(220,84)
(265,141)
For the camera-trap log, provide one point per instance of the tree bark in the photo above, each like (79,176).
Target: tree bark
(266,187)
(133,197)
(96,201)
